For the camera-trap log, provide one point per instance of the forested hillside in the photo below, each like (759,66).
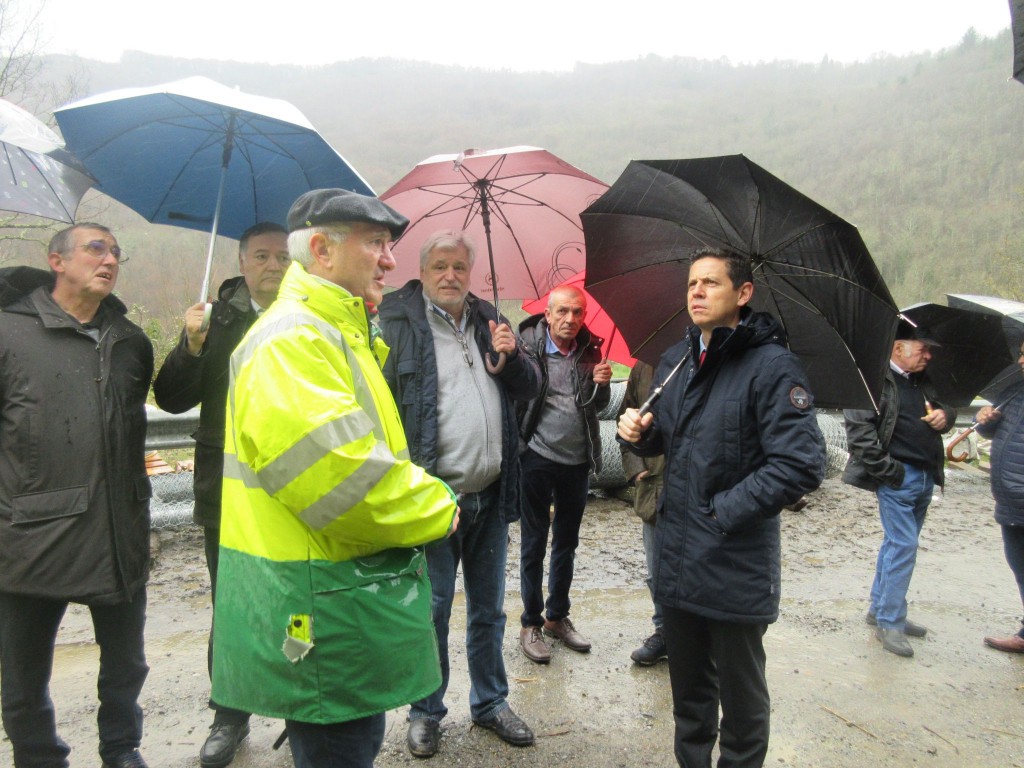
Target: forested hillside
(923,153)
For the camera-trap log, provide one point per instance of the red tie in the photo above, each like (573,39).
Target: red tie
(703,354)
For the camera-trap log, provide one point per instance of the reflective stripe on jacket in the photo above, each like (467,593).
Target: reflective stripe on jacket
(323,604)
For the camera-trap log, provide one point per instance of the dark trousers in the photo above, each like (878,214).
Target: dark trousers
(710,663)
(1013,548)
(567,484)
(28,632)
(211,542)
(352,744)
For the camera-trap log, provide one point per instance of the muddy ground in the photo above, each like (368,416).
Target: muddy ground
(837,698)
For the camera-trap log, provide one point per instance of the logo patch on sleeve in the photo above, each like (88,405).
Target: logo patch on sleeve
(800,398)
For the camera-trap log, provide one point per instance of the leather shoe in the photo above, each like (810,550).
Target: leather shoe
(651,652)
(909,628)
(130,759)
(510,728)
(1011,644)
(566,632)
(424,737)
(894,641)
(533,645)
(221,745)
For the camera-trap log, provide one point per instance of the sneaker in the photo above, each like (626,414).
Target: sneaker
(651,652)
(566,632)
(533,645)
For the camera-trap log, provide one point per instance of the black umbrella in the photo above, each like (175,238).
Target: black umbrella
(1017,23)
(974,350)
(812,270)
(1011,318)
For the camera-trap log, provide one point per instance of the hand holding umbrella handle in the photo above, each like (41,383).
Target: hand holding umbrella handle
(656,393)
(963,435)
(207,314)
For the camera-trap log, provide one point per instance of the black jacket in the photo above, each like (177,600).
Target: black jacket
(534,332)
(185,381)
(74,495)
(740,440)
(868,435)
(411,373)
(1008,456)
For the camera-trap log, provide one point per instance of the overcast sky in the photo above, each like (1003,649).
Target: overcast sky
(523,35)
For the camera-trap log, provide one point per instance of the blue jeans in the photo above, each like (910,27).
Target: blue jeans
(567,484)
(28,631)
(481,544)
(649,556)
(902,511)
(352,744)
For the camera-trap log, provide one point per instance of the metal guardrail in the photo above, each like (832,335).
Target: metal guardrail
(172,502)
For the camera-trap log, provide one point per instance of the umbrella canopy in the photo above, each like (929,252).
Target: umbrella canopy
(1011,316)
(597,321)
(974,350)
(197,154)
(1017,24)
(812,270)
(520,203)
(37,175)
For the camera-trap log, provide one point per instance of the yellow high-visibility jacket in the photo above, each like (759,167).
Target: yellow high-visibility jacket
(323,601)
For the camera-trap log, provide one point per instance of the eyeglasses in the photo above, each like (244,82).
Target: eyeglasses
(100,248)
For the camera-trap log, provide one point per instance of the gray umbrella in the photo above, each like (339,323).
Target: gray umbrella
(37,175)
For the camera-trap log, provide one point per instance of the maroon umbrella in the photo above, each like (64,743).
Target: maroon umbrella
(520,203)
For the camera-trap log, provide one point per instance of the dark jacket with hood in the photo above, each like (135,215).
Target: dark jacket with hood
(534,332)
(868,435)
(1008,456)
(186,380)
(74,495)
(411,373)
(740,440)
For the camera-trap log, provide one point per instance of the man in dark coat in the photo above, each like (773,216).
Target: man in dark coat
(74,495)
(737,426)
(561,442)
(458,413)
(195,373)
(897,453)
(1005,427)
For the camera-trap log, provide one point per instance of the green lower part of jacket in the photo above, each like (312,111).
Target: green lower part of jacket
(323,642)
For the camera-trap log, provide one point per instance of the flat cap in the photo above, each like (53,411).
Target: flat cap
(320,207)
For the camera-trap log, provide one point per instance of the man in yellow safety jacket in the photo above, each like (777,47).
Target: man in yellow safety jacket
(323,606)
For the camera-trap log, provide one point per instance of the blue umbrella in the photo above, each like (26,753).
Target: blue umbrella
(196,154)
(37,175)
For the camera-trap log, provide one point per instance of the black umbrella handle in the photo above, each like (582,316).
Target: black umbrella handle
(658,390)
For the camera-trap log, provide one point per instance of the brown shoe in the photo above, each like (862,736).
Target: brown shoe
(566,632)
(1011,644)
(533,645)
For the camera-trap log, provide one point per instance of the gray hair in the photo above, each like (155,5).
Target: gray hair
(298,241)
(64,240)
(447,240)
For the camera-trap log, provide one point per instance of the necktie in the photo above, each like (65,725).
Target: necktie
(703,354)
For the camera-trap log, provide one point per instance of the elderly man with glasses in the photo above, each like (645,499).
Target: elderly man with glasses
(74,495)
